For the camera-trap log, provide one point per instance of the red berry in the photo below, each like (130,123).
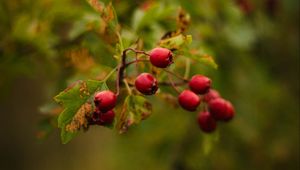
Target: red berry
(146,84)
(200,84)
(101,118)
(210,95)
(221,109)
(188,100)
(206,122)
(105,100)
(161,57)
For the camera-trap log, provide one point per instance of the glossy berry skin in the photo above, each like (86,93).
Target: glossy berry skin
(200,84)
(105,100)
(161,57)
(101,118)
(221,109)
(210,95)
(206,122)
(146,84)
(188,100)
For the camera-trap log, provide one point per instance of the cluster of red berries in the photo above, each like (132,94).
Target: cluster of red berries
(218,108)
(145,83)
(104,102)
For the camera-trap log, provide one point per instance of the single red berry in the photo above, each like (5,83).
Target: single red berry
(105,100)
(188,100)
(221,109)
(146,84)
(200,84)
(161,57)
(101,118)
(206,122)
(210,95)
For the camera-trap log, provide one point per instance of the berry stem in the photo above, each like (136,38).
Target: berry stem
(174,74)
(136,51)
(127,86)
(110,73)
(187,68)
(136,61)
(123,65)
(172,84)
(163,83)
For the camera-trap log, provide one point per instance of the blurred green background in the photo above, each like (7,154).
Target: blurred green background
(255,43)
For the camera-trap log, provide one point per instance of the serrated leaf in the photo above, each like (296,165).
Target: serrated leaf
(75,99)
(110,17)
(109,20)
(135,109)
(202,58)
(176,42)
(97,5)
(207,60)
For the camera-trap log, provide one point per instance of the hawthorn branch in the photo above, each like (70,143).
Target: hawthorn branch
(123,65)
(176,75)
(172,84)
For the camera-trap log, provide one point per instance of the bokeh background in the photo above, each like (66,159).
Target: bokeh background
(255,43)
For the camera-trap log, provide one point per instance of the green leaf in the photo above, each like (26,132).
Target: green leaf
(201,58)
(206,59)
(176,42)
(75,99)
(111,18)
(67,136)
(135,109)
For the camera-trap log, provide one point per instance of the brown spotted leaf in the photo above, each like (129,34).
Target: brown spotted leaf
(135,109)
(76,102)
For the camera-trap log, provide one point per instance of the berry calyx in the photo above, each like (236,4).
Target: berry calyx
(200,84)
(221,109)
(210,95)
(206,122)
(161,57)
(105,100)
(146,84)
(101,118)
(188,100)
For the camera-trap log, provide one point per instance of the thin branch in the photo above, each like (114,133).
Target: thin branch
(136,61)
(136,51)
(110,73)
(187,68)
(163,83)
(127,86)
(178,76)
(172,84)
(123,65)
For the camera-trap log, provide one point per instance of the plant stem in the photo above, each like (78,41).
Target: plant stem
(127,86)
(178,76)
(123,65)
(187,68)
(136,51)
(163,83)
(172,84)
(110,73)
(136,61)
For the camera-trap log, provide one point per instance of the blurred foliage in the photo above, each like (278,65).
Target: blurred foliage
(256,47)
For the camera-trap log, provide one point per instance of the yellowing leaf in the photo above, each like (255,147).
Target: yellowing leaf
(135,109)
(176,42)
(75,100)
